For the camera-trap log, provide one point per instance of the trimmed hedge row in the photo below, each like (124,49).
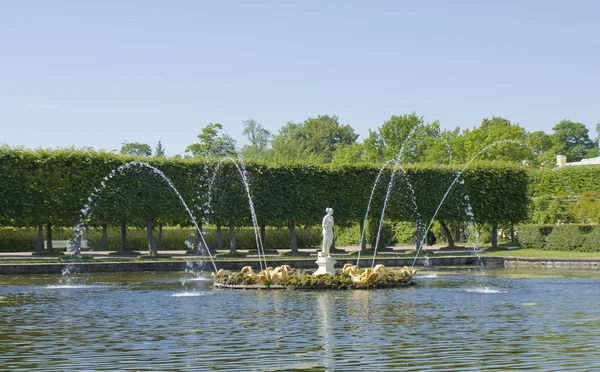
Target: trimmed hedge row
(571,180)
(52,186)
(583,238)
(24,239)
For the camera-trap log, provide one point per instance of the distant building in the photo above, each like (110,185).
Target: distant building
(561,161)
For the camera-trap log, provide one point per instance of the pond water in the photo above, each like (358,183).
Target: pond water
(461,320)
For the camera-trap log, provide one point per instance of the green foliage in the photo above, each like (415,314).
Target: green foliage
(572,139)
(592,241)
(567,237)
(173,238)
(315,139)
(500,136)
(53,186)
(213,143)
(534,236)
(564,181)
(408,133)
(136,149)
(159,151)
(584,238)
(565,195)
(405,232)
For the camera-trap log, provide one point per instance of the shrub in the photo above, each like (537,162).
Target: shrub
(592,241)
(405,232)
(173,238)
(567,237)
(533,236)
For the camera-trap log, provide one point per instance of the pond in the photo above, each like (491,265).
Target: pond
(450,320)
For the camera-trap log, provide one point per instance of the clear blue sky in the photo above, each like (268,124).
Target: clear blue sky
(98,73)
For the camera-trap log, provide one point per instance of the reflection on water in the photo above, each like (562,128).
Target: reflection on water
(449,321)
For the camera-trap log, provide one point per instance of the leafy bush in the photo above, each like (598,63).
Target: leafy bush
(533,236)
(345,236)
(405,232)
(567,237)
(592,241)
(173,238)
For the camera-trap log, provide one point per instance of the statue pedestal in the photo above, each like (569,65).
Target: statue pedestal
(325,265)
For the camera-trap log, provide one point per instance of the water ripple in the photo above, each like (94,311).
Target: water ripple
(135,324)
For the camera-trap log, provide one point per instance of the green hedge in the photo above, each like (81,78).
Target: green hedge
(533,236)
(45,186)
(24,239)
(53,186)
(568,180)
(560,237)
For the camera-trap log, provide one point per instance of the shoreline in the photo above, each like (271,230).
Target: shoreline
(298,263)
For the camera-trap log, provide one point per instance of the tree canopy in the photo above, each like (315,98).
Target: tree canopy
(213,143)
(136,149)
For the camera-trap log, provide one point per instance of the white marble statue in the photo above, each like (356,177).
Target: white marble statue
(327,232)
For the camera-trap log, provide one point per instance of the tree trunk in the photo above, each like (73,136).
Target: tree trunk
(40,238)
(494,240)
(49,237)
(363,243)
(104,242)
(123,236)
(232,247)
(219,236)
(293,240)
(150,235)
(160,236)
(512,233)
(447,233)
(263,235)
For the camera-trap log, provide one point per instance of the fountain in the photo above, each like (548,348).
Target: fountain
(86,210)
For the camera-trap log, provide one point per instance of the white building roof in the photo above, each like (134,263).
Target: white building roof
(590,161)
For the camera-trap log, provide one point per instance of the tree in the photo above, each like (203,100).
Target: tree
(259,139)
(540,144)
(315,139)
(501,139)
(408,133)
(213,143)
(256,134)
(159,151)
(136,149)
(572,139)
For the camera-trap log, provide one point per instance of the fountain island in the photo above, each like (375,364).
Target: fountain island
(326,277)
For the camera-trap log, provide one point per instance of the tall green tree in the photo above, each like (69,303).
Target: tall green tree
(259,139)
(501,139)
(572,139)
(315,139)
(159,151)
(540,144)
(408,133)
(136,149)
(213,143)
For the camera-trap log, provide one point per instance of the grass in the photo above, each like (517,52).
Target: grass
(149,257)
(230,255)
(294,254)
(47,253)
(539,253)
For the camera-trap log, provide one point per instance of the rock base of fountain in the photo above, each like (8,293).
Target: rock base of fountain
(283,277)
